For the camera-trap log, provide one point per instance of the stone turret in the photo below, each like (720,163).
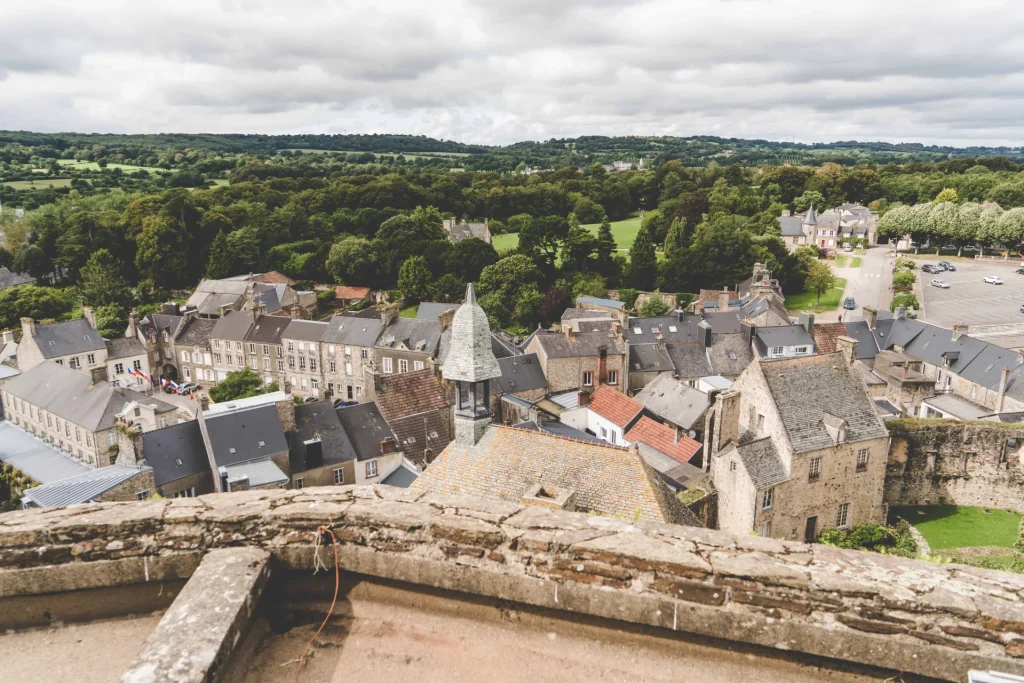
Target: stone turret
(812,217)
(471,365)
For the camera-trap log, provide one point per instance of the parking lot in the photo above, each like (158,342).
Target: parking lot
(968,299)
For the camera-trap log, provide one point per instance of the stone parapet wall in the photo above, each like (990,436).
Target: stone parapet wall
(907,615)
(934,462)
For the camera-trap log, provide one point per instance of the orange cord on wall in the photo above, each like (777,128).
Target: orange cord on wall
(337,582)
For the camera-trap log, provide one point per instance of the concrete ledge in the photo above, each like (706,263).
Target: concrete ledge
(903,615)
(197,635)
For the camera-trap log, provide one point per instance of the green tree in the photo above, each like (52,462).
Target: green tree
(448,289)
(414,279)
(353,261)
(577,246)
(653,307)
(820,279)
(240,384)
(112,321)
(244,249)
(161,256)
(218,266)
(100,281)
(675,240)
(948,194)
(588,211)
(605,247)
(519,222)
(808,199)
(31,259)
(643,262)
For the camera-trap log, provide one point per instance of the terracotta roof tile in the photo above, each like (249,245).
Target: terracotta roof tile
(825,335)
(414,405)
(614,406)
(275,278)
(348,293)
(663,438)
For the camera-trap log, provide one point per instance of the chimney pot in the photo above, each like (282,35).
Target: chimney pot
(959,330)
(89,314)
(583,400)
(388,445)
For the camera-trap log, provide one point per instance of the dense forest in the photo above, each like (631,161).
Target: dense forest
(136,219)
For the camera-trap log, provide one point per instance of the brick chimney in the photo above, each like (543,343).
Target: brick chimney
(133,326)
(870,316)
(959,330)
(388,312)
(723,299)
(204,402)
(388,445)
(806,321)
(570,333)
(583,400)
(170,308)
(848,347)
(286,413)
(749,329)
(89,314)
(444,319)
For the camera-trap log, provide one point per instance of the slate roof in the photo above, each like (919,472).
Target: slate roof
(805,388)
(791,226)
(163,450)
(259,472)
(464,231)
(268,329)
(519,373)
(762,463)
(401,477)
(761,304)
(558,429)
(595,301)
(319,420)
(236,436)
(9,278)
(429,310)
(415,334)
(584,314)
(67,338)
(365,428)
(196,332)
(787,335)
(668,328)
(36,458)
(7,371)
(958,407)
(649,358)
(662,438)
(124,347)
(158,322)
(689,360)
(269,296)
(210,295)
(305,330)
(614,406)
(470,358)
(70,395)
(674,401)
(233,326)
(81,488)
(583,344)
(506,463)
(352,331)
(729,354)
(866,343)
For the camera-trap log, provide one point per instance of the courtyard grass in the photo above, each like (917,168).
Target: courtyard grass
(806,301)
(409,311)
(955,526)
(856,262)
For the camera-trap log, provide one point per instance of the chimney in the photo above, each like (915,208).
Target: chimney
(704,333)
(848,347)
(678,434)
(748,328)
(583,400)
(388,445)
(723,299)
(444,319)
(89,314)
(286,412)
(1002,388)
(900,312)
(222,475)
(959,330)
(170,308)
(602,365)
(388,312)
(8,336)
(204,402)
(99,374)
(870,316)
(133,325)
(680,315)
(570,333)
(806,321)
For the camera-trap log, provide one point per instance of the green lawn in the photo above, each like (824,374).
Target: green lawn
(505,242)
(952,526)
(407,155)
(623,231)
(221,181)
(40,184)
(93,166)
(844,261)
(409,311)
(856,262)
(805,301)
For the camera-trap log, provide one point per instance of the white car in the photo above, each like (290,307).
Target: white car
(942,284)
(993,280)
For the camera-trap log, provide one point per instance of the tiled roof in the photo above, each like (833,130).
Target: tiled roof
(663,438)
(826,334)
(713,294)
(762,463)
(83,487)
(614,406)
(274,278)
(410,393)
(674,401)
(350,293)
(507,462)
(805,388)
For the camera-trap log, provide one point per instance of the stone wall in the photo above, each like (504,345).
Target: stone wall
(129,490)
(907,615)
(932,462)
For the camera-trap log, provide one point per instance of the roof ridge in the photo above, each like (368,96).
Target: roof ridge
(602,444)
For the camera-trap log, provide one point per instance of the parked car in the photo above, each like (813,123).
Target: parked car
(1019,271)
(187,388)
(339,403)
(971,248)
(947,266)
(849,304)
(992,280)
(941,284)
(847,247)
(929,268)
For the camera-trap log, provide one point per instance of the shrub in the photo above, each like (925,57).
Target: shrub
(904,300)
(904,278)
(903,263)
(891,540)
(627,296)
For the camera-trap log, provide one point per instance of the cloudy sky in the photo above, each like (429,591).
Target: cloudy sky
(497,71)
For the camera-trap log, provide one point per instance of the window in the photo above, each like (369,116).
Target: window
(305,384)
(613,377)
(163,422)
(417,365)
(314,384)
(266,363)
(49,421)
(88,439)
(732,466)
(843,516)
(766,499)
(362,353)
(60,361)
(186,357)
(91,359)
(78,435)
(330,349)
(801,349)
(238,346)
(333,366)
(777,350)
(588,379)
(291,362)
(118,368)
(766,529)
(604,433)
(814,469)
(252,348)
(760,423)
(371,468)
(862,460)
(167,354)
(302,362)
(190,492)
(291,346)
(312,347)
(348,368)
(359,393)
(74,363)
(144,495)
(349,391)
(339,476)
(302,347)
(312,364)
(280,365)
(111,439)
(403,365)
(137,365)
(266,350)
(241,361)
(216,344)
(298,483)
(348,350)
(217,360)
(387,366)
(188,374)
(252,362)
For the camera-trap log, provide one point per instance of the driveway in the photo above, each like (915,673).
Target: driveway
(868,284)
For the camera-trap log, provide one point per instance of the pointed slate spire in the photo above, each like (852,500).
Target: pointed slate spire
(470,357)
(470,294)
(812,218)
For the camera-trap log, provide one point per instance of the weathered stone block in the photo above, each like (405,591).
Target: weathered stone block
(870,626)
(391,514)
(691,591)
(466,531)
(940,640)
(639,551)
(758,567)
(761,600)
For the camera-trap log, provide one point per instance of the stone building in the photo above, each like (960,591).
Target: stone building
(250,339)
(418,410)
(410,344)
(458,231)
(302,341)
(347,347)
(177,343)
(273,291)
(796,447)
(580,360)
(829,229)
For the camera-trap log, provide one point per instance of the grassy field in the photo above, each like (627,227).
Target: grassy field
(623,231)
(409,311)
(952,526)
(41,184)
(407,155)
(844,261)
(805,301)
(221,181)
(93,166)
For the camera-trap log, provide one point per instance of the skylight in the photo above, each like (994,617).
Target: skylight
(671,328)
(654,330)
(989,367)
(636,330)
(262,444)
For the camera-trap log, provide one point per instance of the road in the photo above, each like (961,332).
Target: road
(868,285)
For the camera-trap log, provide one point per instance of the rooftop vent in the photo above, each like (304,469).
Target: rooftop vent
(177,461)
(262,444)
(231,450)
